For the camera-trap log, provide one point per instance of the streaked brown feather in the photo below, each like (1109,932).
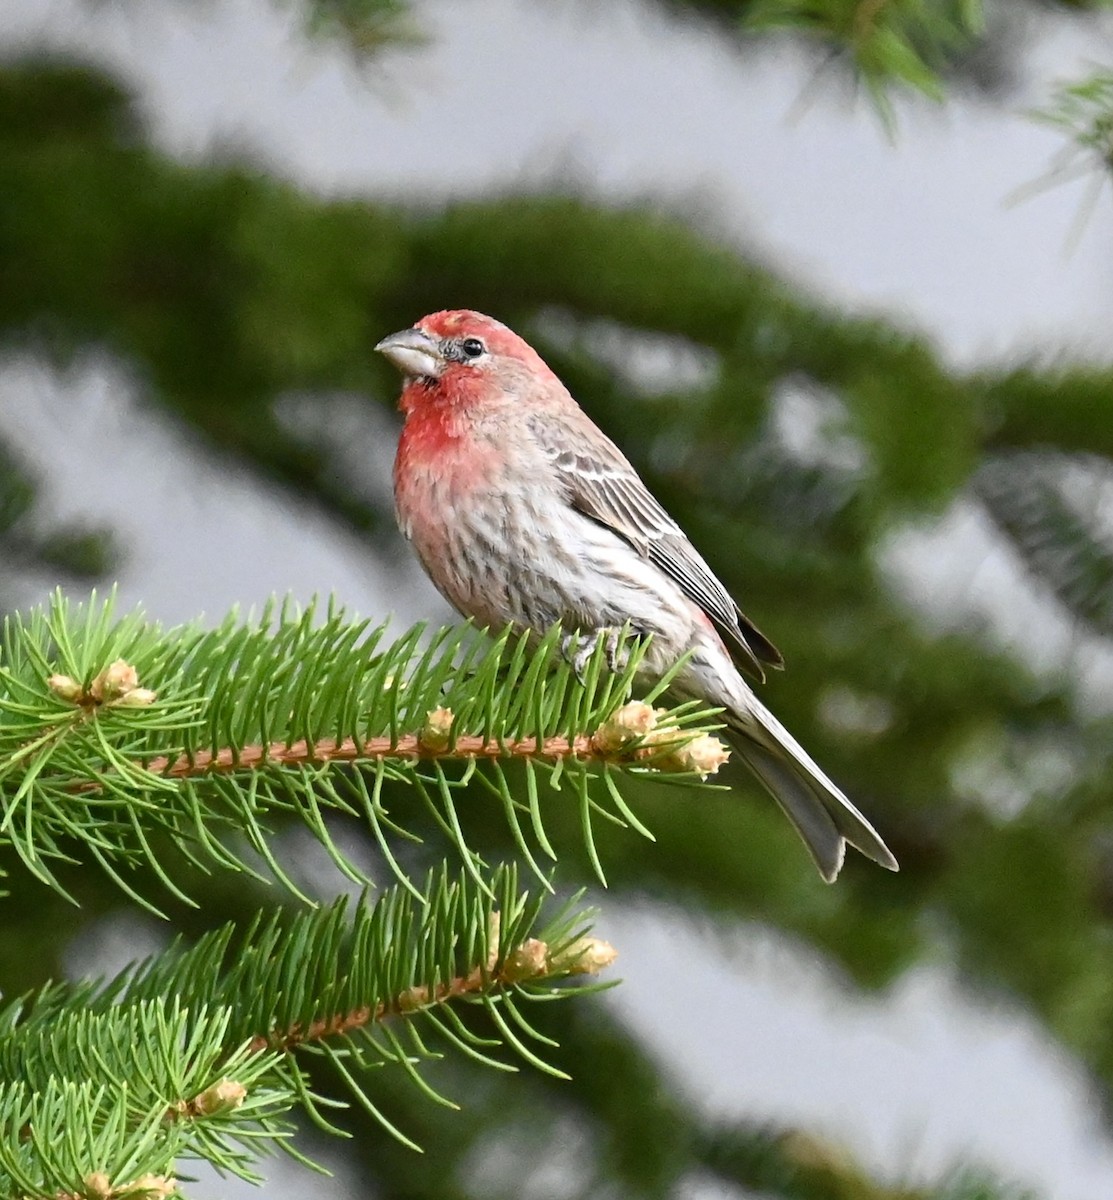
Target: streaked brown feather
(603,485)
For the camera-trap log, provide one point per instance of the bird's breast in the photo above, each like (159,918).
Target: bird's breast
(443,466)
(474,502)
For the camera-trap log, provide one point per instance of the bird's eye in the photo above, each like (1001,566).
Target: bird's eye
(472,347)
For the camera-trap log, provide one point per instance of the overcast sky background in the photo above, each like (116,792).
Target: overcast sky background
(518,92)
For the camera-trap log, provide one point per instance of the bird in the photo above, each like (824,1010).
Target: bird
(524,513)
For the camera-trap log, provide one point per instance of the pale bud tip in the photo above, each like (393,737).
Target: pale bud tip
(437,729)
(65,688)
(221,1097)
(97,1184)
(412,999)
(633,720)
(669,747)
(494,933)
(814,1152)
(586,956)
(701,755)
(153,1187)
(527,961)
(116,680)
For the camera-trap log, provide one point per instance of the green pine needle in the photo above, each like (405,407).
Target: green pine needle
(200,1052)
(122,742)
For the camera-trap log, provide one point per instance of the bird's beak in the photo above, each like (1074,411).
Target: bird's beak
(414,353)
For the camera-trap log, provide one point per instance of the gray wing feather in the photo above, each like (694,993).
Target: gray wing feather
(603,485)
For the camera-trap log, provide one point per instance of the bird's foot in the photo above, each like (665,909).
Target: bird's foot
(578,647)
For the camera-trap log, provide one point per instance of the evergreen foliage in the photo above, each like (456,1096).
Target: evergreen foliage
(193,1054)
(886,46)
(297,713)
(224,293)
(197,1053)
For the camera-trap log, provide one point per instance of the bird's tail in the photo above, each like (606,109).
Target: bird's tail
(822,815)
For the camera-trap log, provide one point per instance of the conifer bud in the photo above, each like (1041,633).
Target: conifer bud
(437,728)
(527,961)
(412,999)
(65,688)
(221,1097)
(585,956)
(97,1185)
(633,720)
(668,747)
(151,1187)
(116,680)
(703,754)
(815,1153)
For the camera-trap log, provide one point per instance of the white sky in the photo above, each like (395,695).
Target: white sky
(523,92)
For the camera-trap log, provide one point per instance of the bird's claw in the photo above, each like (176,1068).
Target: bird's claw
(578,647)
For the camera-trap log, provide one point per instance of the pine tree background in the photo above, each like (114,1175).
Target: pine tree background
(811,451)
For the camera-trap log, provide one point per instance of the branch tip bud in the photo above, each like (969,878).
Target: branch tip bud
(221,1097)
(669,747)
(150,1187)
(811,1152)
(702,754)
(585,956)
(116,680)
(97,1185)
(633,720)
(527,961)
(66,688)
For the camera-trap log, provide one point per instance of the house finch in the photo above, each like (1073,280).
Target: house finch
(523,512)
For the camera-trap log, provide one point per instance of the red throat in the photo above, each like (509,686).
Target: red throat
(457,390)
(431,429)
(439,433)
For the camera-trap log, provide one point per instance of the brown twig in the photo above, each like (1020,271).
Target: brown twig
(408,746)
(531,961)
(408,1001)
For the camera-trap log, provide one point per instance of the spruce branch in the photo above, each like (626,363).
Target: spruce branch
(119,739)
(1082,111)
(888,43)
(200,1052)
(1051,509)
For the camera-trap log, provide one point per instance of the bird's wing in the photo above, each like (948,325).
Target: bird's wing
(603,485)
